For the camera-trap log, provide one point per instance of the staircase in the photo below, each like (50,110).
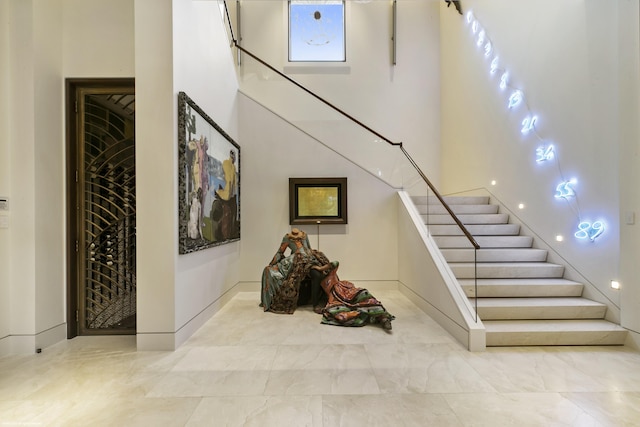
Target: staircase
(522,298)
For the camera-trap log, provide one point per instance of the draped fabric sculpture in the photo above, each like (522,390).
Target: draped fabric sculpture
(287,277)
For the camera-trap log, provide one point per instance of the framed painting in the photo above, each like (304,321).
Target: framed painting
(208,180)
(318,200)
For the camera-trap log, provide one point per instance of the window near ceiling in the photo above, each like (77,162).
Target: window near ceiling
(316,31)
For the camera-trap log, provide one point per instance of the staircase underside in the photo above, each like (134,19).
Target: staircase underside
(521,298)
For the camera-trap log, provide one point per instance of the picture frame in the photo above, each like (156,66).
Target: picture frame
(318,201)
(208,180)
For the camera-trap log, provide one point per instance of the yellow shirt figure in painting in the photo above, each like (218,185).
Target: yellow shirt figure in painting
(230,184)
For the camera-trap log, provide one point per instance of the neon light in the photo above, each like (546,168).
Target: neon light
(543,154)
(528,124)
(546,152)
(586,230)
(494,65)
(469,17)
(504,79)
(515,99)
(487,49)
(481,37)
(564,190)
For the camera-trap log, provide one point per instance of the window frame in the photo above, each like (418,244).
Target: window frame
(291,59)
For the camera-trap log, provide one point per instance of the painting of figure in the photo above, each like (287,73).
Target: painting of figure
(208,181)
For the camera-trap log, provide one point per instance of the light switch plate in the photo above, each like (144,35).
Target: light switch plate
(4,203)
(630,217)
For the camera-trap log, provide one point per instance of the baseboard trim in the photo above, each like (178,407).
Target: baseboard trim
(30,344)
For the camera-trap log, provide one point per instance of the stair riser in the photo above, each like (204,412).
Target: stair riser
(490,272)
(461,200)
(449,242)
(495,255)
(497,339)
(457,209)
(476,230)
(541,313)
(436,219)
(523,291)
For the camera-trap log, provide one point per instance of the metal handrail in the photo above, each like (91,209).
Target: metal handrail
(468,235)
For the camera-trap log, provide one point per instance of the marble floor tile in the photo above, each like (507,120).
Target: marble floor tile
(245,367)
(610,409)
(518,409)
(259,411)
(322,382)
(388,410)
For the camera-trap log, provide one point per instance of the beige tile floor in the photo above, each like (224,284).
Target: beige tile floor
(250,368)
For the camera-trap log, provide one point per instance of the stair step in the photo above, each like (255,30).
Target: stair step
(522,288)
(451,200)
(476,230)
(495,255)
(458,209)
(553,332)
(505,270)
(539,308)
(491,218)
(449,242)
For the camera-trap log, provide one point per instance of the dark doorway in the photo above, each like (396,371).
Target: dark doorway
(101,217)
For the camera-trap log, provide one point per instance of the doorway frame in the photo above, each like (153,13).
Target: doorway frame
(72,87)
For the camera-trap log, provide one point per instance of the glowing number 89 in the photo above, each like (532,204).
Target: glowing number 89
(589,231)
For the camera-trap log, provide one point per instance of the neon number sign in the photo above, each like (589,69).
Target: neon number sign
(515,99)
(543,154)
(481,38)
(528,124)
(494,65)
(504,79)
(487,49)
(587,230)
(564,190)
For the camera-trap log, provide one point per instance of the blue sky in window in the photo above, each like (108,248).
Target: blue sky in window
(316,31)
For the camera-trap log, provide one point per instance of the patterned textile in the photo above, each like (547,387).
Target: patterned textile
(349,305)
(282,277)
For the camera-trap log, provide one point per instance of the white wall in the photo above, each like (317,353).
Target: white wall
(48,174)
(155,175)
(42,43)
(98,38)
(400,102)
(629,170)
(564,56)
(33,180)
(203,69)
(272,152)
(5,302)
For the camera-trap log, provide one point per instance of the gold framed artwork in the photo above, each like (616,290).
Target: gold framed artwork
(318,200)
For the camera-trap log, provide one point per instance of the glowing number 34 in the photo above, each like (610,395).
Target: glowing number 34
(589,231)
